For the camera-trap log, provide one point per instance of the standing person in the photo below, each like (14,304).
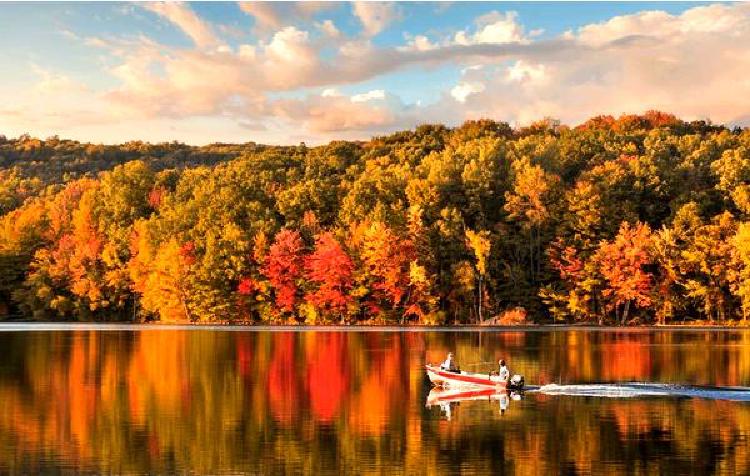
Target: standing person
(504,373)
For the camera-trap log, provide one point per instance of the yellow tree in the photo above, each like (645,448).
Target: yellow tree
(527,204)
(479,243)
(706,260)
(160,274)
(741,256)
(386,257)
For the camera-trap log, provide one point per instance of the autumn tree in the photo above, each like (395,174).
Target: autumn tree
(741,259)
(479,244)
(329,269)
(706,265)
(386,258)
(623,263)
(161,274)
(283,267)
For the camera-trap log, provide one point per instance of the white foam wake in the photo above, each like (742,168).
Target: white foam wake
(637,389)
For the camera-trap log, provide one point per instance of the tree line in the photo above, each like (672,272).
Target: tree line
(636,219)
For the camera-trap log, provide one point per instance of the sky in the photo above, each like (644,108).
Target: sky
(283,73)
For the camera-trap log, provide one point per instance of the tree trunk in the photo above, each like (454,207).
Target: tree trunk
(625,312)
(185,307)
(531,257)
(479,307)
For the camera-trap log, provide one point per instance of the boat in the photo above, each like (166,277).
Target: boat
(447,378)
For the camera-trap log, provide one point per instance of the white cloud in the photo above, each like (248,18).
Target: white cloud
(494,27)
(333,115)
(419,43)
(375,16)
(185,18)
(369,96)
(329,28)
(524,71)
(270,16)
(247,51)
(465,89)
(698,20)
(52,83)
(291,45)
(694,65)
(356,49)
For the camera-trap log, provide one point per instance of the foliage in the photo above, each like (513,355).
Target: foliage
(330,268)
(641,218)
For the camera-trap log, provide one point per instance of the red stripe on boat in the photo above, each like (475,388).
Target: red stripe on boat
(465,378)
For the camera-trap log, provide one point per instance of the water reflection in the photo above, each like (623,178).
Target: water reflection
(328,402)
(448,399)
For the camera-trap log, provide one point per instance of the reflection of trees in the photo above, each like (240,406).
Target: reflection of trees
(165,401)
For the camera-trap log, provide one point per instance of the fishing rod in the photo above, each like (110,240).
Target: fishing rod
(478,364)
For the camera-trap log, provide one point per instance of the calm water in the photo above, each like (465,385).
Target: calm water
(203,401)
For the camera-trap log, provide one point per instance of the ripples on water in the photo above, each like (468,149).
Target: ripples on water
(117,400)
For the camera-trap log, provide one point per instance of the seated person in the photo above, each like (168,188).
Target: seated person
(449,364)
(504,373)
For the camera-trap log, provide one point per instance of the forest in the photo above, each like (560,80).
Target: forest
(640,219)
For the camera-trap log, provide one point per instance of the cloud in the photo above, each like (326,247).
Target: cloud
(182,16)
(464,89)
(494,27)
(522,71)
(52,101)
(694,64)
(419,43)
(329,28)
(335,115)
(52,83)
(698,20)
(373,95)
(270,16)
(375,16)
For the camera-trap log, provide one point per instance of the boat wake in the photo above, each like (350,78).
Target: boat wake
(638,389)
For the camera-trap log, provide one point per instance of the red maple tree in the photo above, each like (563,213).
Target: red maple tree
(331,268)
(283,266)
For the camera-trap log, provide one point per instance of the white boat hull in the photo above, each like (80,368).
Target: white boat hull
(445,378)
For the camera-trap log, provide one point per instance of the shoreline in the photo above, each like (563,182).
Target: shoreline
(21,326)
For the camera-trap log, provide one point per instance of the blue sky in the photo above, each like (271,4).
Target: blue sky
(286,72)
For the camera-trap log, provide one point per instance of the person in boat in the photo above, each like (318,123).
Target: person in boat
(449,364)
(503,373)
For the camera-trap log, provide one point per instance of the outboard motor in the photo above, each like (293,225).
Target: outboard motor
(516,382)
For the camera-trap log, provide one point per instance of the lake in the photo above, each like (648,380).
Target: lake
(161,400)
